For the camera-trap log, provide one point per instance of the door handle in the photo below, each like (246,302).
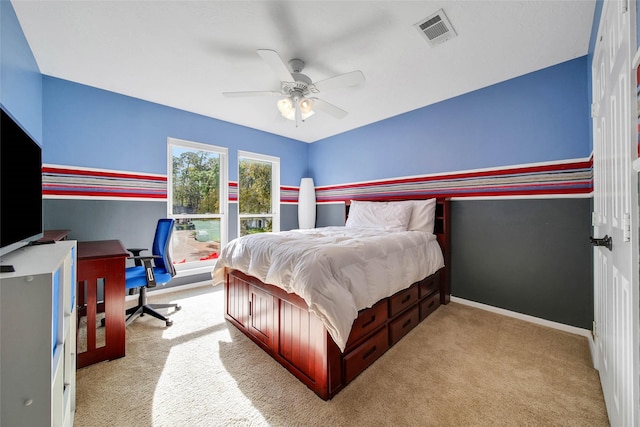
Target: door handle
(605,241)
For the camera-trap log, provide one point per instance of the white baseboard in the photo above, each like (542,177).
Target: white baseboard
(555,325)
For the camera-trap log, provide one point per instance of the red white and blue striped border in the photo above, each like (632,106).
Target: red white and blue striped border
(233,192)
(568,178)
(289,194)
(565,178)
(59,182)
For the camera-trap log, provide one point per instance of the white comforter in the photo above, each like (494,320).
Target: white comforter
(336,270)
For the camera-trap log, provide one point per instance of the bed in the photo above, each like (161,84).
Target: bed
(326,303)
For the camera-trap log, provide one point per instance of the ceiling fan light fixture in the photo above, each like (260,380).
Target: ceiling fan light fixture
(288,111)
(285,106)
(306,106)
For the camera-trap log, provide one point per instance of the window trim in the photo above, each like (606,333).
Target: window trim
(223,152)
(275,188)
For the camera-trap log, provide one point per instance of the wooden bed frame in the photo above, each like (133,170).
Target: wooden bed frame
(281,324)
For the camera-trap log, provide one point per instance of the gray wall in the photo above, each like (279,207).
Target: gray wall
(330,214)
(288,217)
(132,222)
(528,256)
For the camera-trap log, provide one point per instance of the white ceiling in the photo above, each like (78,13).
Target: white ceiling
(184,54)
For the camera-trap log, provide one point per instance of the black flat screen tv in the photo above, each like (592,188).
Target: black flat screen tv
(20,186)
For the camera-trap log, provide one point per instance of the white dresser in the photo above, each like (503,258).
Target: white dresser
(38,336)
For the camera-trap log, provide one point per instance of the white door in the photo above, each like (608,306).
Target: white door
(616,213)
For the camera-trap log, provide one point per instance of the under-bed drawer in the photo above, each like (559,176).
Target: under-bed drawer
(403,300)
(362,356)
(429,285)
(367,321)
(429,304)
(403,324)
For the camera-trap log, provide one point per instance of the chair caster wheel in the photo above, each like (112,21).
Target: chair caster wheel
(178,307)
(103,322)
(169,322)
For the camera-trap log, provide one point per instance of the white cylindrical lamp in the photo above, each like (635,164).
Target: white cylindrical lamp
(307,204)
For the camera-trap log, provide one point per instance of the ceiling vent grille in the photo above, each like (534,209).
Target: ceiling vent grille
(436,28)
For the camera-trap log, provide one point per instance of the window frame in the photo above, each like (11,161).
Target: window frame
(275,189)
(198,267)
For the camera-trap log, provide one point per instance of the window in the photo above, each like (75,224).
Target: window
(258,193)
(197,200)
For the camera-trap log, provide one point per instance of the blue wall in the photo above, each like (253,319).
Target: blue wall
(89,127)
(538,117)
(20,78)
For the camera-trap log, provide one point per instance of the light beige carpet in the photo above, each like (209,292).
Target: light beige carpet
(462,366)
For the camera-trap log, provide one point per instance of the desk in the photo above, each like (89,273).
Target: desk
(102,263)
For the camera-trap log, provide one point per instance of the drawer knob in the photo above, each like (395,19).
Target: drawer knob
(28,402)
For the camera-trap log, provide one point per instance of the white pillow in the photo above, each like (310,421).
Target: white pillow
(383,215)
(423,215)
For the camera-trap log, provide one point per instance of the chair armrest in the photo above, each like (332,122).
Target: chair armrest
(148,266)
(136,252)
(144,257)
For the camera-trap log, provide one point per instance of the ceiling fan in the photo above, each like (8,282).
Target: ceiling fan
(295,88)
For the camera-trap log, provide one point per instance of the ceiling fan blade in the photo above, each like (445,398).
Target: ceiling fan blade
(251,93)
(342,80)
(276,63)
(331,109)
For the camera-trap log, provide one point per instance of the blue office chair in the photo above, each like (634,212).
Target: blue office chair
(150,270)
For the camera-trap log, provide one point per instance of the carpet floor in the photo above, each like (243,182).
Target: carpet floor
(462,366)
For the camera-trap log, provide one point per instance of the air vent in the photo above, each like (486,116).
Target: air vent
(436,28)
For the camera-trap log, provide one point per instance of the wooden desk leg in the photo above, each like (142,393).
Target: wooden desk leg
(114,297)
